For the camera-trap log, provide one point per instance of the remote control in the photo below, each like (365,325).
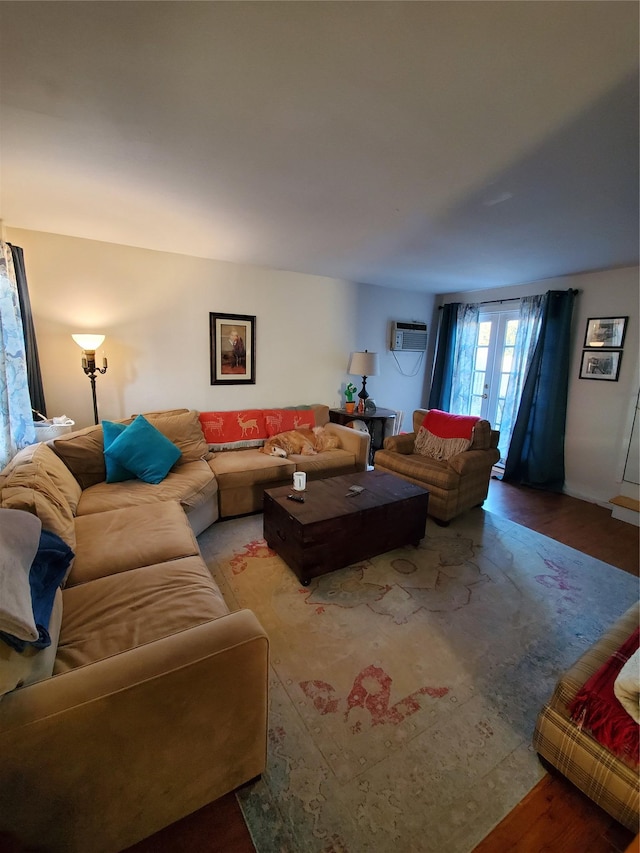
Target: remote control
(298,498)
(354,490)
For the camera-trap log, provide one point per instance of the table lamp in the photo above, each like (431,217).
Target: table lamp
(363,364)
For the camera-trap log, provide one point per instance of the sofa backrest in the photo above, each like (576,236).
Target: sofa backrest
(239,429)
(82,451)
(37,481)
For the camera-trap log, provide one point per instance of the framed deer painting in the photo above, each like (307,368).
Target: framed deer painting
(232,349)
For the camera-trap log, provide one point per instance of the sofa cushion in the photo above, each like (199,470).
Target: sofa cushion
(191,484)
(249,467)
(18,669)
(144,450)
(144,536)
(113,614)
(234,430)
(116,473)
(321,414)
(421,469)
(183,428)
(83,454)
(30,488)
(329,463)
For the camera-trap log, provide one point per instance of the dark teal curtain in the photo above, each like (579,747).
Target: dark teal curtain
(536,451)
(442,376)
(34,376)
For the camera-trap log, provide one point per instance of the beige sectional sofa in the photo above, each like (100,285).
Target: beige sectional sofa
(141,718)
(152,699)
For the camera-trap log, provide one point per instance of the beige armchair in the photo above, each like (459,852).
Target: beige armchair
(456,484)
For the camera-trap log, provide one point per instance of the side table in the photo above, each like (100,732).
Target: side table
(375,421)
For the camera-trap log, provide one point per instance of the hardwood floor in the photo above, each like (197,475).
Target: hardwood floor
(555,817)
(584,526)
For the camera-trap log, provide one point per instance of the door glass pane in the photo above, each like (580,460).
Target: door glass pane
(484,333)
(504,382)
(507,359)
(478,384)
(510,333)
(476,406)
(495,362)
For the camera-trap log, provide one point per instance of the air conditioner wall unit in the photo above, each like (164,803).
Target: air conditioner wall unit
(408,337)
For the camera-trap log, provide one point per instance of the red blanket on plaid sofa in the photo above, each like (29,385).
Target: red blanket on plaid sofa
(596,708)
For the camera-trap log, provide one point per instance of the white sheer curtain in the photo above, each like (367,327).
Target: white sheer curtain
(467,326)
(16,419)
(529,321)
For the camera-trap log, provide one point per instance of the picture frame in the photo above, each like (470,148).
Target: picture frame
(232,343)
(605,332)
(603,365)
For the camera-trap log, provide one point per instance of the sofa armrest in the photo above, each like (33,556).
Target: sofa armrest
(474,460)
(354,441)
(120,748)
(400,443)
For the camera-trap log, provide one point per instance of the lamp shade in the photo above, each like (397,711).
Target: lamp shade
(88,342)
(363,363)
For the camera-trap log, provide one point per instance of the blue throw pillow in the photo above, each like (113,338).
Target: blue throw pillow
(116,473)
(48,571)
(144,450)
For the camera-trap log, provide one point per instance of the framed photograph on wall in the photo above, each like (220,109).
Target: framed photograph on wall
(232,349)
(603,365)
(605,332)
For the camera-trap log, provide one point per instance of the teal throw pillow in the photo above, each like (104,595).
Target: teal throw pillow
(144,450)
(116,473)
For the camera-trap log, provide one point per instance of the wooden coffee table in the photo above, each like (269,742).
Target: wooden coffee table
(330,530)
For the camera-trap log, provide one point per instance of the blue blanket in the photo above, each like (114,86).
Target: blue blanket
(47,572)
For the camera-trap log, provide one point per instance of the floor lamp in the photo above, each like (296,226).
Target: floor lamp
(89,345)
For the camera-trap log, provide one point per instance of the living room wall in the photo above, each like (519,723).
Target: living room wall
(599,414)
(154,309)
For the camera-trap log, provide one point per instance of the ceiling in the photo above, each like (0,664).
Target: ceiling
(432,146)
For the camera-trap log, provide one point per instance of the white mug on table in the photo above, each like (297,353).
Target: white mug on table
(299,481)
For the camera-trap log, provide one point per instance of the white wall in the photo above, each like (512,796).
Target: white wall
(403,375)
(599,414)
(154,309)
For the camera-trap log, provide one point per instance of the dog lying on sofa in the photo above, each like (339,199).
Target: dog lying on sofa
(302,441)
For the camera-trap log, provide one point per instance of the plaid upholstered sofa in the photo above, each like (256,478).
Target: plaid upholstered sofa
(455,485)
(608,780)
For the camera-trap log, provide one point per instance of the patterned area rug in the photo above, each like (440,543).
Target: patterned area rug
(404,689)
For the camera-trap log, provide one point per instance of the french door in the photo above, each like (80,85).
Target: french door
(493,364)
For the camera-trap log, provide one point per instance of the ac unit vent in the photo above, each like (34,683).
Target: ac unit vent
(409,337)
